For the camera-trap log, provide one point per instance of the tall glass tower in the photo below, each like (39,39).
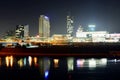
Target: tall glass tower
(70,26)
(44,26)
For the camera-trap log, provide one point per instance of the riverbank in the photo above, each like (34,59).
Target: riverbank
(81,50)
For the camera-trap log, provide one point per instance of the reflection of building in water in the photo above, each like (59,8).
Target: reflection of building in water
(9,61)
(56,63)
(44,64)
(35,60)
(103,62)
(80,62)
(20,62)
(91,63)
(70,64)
(25,61)
(30,60)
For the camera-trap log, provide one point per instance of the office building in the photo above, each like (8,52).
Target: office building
(26,31)
(22,31)
(91,35)
(44,26)
(69,26)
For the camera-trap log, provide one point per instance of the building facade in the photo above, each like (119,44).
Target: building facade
(44,26)
(22,31)
(69,26)
(91,35)
(26,31)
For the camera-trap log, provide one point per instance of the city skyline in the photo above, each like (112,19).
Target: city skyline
(103,13)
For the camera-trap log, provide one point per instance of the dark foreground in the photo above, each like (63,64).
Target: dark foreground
(78,49)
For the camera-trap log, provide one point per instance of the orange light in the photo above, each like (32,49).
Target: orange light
(56,61)
(7,61)
(11,60)
(35,60)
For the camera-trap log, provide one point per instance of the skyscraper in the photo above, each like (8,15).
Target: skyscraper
(22,31)
(44,26)
(26,31)
(69,26)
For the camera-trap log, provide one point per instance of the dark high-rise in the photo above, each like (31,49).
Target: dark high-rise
(22,31)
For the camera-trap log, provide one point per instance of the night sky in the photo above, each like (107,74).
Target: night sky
(105,14)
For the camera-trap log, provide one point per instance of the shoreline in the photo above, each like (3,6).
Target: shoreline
(78,50)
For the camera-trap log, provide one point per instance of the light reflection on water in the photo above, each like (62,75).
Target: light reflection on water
(92,63)
(48,66)
(71,61)
(9,61)
(56,63)
(70,64)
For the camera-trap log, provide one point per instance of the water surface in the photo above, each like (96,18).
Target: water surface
(58,68)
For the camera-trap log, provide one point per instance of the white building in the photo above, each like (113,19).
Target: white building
(96,36)
(93,36)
